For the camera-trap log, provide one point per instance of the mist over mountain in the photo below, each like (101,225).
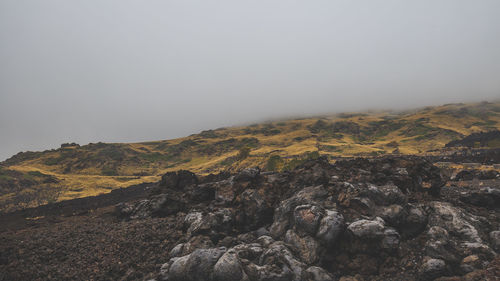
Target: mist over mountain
(190,140)
(130,71)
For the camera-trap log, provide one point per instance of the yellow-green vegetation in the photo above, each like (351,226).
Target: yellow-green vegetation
(92,169)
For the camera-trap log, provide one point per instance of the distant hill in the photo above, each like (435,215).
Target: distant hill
(483,139)
(79,171)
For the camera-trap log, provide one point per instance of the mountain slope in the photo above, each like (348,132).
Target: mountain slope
(92,169)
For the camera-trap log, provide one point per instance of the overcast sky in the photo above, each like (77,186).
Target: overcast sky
(125,71)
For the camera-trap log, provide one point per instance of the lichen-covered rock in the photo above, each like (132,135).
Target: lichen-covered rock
(433,268)
(414,221)
(484,197)
(392,214)
(439,245)
(248,174)
(330,227)
(495,240)
(308,248)
(254,211)
(316,273)
(471,263)
(283,215)
(224,191)
(280,226)
(454,220)
(368,229)
(198,265)
(391,239)
(385,195)
(196,242)
(453,236)
(282,263)
(370,236)
(307,218)
(229,268)
(209,223)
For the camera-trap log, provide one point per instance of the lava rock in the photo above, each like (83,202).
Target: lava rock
(316,273)
(368,229)
(196,266)
(385,195)
(414,222)
(330,228)
(485,197)
(283,215)
(178,180)
(495,240)
(433,268)
(307,218)
(307,247)
(161,205)
(249,174)
(370,236)
(229,268)
(254,211)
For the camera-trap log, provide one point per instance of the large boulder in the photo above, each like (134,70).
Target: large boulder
(266,260)
(385,194)
(254,211)
(214,224)
(453,235)
(308,248)
(371,236)
(178,180)
(284,214)
(229,268)
(432,269)
(307,218)
(199,265)
(330,228)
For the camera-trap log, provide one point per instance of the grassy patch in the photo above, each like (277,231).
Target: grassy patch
(274,163)
(109,171)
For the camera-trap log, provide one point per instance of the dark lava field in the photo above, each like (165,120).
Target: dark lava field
(387,218)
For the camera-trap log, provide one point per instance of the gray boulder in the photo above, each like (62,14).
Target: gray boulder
(368,229)
(307,218)
(229,268)
(307,247)
(330,227)
(432,269)
(371,236)
(198,265)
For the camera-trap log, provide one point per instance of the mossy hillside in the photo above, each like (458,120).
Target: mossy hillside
(100,167)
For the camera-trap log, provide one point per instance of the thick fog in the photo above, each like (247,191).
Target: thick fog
(125,71)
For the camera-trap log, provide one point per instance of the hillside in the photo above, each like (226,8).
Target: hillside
(74,171)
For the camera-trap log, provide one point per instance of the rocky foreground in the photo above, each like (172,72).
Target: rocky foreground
(385,219)
(379,219)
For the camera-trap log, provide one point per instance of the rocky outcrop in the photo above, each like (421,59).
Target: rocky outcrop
(467,175)
(486,196)
(378,219)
